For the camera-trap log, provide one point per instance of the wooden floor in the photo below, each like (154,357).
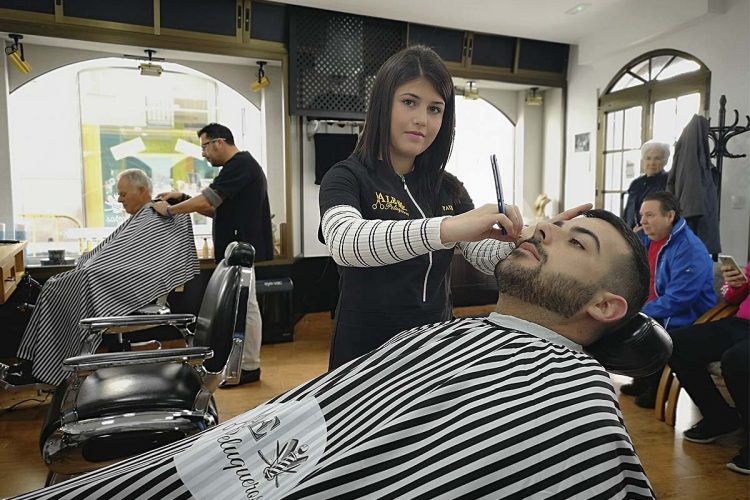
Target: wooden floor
(676,468)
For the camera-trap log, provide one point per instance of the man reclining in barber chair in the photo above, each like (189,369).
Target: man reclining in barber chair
(509,405)
(147,256)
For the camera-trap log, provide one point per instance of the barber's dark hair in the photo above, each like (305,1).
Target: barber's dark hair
(667,202)
(632,279)
(217,131)
(375,141)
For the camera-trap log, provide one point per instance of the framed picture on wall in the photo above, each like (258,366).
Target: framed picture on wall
(582,142)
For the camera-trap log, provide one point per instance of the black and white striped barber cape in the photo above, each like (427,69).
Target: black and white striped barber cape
(145,257)
(463,409)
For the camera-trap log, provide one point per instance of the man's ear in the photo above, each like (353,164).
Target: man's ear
(672,216)
(607,308)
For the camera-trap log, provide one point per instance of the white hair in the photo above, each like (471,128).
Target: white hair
(648,146)
(137,179)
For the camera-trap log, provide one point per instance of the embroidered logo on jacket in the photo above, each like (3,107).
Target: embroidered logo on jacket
(448,209)
(388,202)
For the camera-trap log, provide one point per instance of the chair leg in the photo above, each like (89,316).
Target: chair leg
(51,479)
(674,393)
(661,392)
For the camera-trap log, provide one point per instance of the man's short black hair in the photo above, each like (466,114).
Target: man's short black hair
(667,202)
(631,281)
(217,131)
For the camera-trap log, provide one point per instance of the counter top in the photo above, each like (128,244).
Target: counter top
(44,272)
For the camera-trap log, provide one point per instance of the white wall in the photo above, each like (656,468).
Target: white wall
(6,196)
(552,149)
(529,155)
(721,39)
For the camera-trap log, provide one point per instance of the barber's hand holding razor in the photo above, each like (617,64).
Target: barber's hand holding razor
(482,223)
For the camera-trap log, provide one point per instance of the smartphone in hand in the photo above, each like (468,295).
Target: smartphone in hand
(728,260)
(498,188)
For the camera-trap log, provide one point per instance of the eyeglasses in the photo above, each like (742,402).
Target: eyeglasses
(204,145)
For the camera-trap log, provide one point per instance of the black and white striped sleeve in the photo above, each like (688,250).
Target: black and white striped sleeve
(357,242)
(484,255)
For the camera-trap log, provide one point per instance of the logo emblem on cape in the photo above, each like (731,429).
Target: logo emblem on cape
(287,459)
(263,427)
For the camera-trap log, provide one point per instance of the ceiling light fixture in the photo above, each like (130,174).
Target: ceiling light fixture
(263,80)
(149,68)
(578,9)
(534,99)
(15,54)
(471,91)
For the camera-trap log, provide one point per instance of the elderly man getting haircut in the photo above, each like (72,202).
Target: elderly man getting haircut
(507,406)
(144,258)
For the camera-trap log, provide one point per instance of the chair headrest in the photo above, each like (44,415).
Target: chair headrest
(239,254)
(639,348)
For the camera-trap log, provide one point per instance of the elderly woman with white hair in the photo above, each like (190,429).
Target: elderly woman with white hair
(654,156)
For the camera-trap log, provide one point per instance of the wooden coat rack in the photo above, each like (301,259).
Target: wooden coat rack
(721,135)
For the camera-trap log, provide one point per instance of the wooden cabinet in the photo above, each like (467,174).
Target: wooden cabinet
(480,55)
(35,6)
(217,19)
(234,22)
(11,268)
(448,43)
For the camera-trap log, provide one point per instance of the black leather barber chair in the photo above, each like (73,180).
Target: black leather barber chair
(639,348)
(116,405)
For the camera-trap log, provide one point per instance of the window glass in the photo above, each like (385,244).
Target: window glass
(627,81)
(613,169)
(612,202)
(631,168)
(632,128)
(106,118)
(609,144)
(482,130)
(658,63)
(664,120)
(641,69)
(677,67)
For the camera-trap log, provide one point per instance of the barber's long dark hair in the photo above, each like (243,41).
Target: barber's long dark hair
(375,141)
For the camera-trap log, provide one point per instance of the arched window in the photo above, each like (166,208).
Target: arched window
(652,97)
(106,117)
(482,130)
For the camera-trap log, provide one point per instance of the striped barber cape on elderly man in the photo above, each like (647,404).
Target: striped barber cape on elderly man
(145,257)
(494,407)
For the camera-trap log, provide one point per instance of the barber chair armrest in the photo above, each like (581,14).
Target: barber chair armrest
(124,324)
(93,362)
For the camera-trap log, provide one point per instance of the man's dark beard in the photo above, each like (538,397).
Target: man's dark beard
(563,295)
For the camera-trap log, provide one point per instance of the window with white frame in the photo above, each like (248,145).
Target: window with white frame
(78,126)
(652,97)
(482,130)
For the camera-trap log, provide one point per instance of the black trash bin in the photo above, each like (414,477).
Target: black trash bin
(276,309)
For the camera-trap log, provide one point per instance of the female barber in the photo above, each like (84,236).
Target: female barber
(391,215)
